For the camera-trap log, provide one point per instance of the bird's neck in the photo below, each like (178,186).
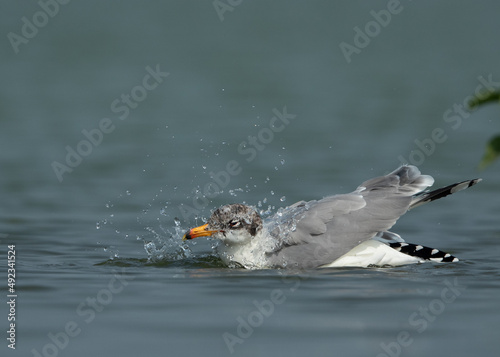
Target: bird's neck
(251,254)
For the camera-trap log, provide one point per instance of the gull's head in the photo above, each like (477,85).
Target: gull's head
(233,224)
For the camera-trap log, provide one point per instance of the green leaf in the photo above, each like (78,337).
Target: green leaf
(492,152)
(477,100)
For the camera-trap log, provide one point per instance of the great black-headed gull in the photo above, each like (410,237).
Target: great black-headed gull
(340,230)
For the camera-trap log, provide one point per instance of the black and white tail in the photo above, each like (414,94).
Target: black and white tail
(420,251)
(424,197)
(425,253)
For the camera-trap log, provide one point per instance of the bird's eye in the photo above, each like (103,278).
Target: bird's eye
(234,224)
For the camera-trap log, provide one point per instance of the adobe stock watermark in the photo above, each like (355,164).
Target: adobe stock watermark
(248,148)
(120,106)
(86,312)
(30,26)
(254,319)
(222,6)
(421,319)
(246,325)
(364,35)
(454,118)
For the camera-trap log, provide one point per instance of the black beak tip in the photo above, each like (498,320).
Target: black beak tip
(187,235)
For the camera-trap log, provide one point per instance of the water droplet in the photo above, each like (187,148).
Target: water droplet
(276,168)
(177,222)
(282,199)
(272,193)
(282,161)
(163,212)
(98,225)
(128,193)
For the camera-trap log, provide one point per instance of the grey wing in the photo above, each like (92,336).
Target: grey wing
(331,227)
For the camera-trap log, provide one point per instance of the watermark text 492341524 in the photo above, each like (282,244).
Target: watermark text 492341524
(11,296)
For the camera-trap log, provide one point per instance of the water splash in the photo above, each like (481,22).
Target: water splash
(285,220)
(166,244)
(233,193)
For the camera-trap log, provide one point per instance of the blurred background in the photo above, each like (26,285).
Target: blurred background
(365,82)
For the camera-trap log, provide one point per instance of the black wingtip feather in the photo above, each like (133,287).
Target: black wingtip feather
(425,197)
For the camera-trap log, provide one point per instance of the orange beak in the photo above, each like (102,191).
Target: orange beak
(200,231)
